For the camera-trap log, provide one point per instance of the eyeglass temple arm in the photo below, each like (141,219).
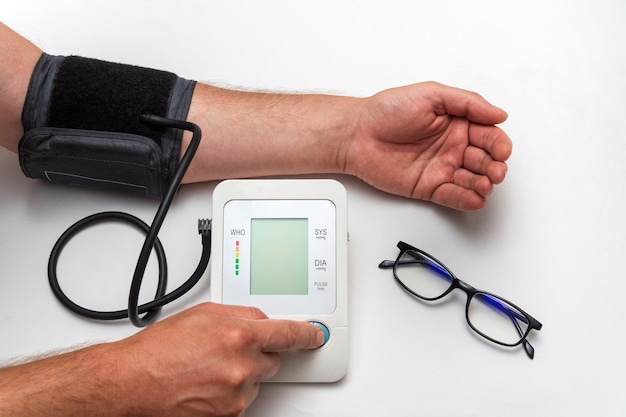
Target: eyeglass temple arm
(386,264)
(515,318)
(419,259)
(528,348)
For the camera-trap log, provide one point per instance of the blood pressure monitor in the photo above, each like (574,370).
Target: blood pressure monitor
(281,246)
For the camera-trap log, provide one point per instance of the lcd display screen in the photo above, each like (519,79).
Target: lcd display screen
(279,256)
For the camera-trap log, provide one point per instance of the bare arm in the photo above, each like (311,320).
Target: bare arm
(246,134)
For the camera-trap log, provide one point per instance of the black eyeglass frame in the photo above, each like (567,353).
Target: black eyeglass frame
(469,290)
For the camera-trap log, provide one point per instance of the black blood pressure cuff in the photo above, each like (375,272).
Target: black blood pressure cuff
(82,124)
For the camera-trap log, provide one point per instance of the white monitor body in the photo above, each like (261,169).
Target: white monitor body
(281,246)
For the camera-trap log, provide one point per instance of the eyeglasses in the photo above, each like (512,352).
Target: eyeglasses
(489,315)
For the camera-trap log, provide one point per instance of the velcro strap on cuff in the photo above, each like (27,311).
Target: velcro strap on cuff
(90,110)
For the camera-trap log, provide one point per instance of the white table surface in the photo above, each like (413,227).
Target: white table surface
(552,239)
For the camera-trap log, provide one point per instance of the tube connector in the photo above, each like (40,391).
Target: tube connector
(204,227)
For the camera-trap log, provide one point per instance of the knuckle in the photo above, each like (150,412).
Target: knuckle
(239,336)
(257,314)
(239,375)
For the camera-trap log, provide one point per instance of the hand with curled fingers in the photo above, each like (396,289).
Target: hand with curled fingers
(432,142)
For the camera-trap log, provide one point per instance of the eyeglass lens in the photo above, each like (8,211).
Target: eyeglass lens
(497,319)
(422,275)
(489,315)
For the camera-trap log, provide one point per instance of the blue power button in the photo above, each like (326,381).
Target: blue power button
(324,329)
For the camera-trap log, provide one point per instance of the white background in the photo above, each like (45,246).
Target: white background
(552,239)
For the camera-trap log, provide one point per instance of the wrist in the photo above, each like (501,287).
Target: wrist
(341,131)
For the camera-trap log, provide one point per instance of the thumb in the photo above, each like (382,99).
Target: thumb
(468,104)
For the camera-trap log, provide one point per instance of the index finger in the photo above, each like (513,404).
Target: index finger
(492,139)
(283,335)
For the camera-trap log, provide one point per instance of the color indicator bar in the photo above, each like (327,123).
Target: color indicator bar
(237,258)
